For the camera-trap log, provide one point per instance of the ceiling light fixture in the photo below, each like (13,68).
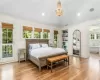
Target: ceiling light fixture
(59,11)
(43,14)
(78,14)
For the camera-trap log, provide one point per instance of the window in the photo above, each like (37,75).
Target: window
(37,33)
(7,40)
(27,32)
(7,35)
(98,36)
(92,36)
(7,51)
(46,33)
(55,38)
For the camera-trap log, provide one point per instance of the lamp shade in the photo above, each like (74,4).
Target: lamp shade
(59,11)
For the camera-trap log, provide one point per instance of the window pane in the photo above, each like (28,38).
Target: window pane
(4,30)
(4,51)
(10,37)
(98,36)
(7,37)
(37,34)
(45,35)
(4,36)
(55,40)
(27,34)
(92,36)
(10,51)
(24,35)
(55,37)
(3,48)
(7,51)
(55,43)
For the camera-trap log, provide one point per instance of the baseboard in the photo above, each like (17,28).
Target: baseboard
(8,62)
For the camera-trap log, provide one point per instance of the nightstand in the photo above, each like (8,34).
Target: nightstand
(22,55)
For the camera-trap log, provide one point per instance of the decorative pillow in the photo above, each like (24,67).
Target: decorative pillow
(34,46)
(44,45)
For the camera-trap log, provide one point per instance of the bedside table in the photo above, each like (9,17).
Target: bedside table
(22,55)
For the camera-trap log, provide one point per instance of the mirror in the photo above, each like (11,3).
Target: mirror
(77,43)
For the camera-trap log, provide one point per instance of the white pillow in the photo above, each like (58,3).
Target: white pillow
(34,46)
(44,45)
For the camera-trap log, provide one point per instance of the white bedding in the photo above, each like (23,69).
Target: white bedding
(42,52)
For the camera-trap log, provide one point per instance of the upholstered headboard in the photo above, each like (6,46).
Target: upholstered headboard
(33,41)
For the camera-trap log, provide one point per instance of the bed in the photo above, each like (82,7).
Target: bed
(39,55)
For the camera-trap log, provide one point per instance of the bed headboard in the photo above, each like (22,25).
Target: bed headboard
(33,41)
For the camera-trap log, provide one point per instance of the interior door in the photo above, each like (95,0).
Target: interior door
(7,45)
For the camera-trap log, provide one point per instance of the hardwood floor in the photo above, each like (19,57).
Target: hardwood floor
(79,69)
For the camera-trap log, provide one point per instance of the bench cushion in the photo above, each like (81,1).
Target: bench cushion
(57,58)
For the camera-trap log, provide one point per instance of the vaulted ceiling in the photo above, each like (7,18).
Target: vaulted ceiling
(43,11)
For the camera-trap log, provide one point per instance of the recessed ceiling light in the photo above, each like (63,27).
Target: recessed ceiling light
(78,14)
(43,14)
(66,25)
(92,9)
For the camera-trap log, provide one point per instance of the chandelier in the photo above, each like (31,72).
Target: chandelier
(59,11)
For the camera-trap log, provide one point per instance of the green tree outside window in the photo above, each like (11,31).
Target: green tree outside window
(55,40)
(7,40)
(45,35)
(27,34)
(37,34)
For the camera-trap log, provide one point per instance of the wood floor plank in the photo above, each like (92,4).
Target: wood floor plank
(79,69)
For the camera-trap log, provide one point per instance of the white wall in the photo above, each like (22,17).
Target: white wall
(19,41)
(84,28)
